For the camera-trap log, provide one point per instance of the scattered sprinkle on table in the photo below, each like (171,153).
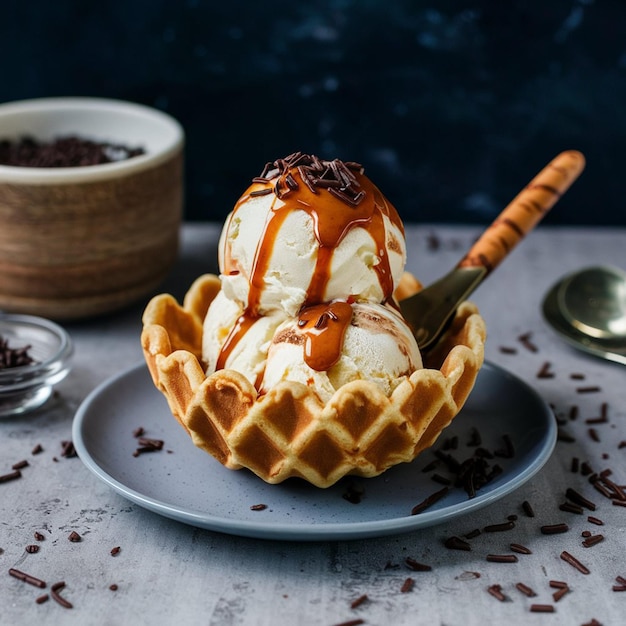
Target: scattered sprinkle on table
(414,565)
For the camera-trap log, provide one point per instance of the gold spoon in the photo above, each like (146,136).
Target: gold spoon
(429,311)
(588,309)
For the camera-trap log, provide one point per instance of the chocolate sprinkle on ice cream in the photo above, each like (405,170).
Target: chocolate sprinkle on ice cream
(336,176)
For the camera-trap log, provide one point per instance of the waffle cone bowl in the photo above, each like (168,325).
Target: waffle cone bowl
(288,432)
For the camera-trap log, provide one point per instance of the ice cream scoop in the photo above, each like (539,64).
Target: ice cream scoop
(309,231)
(377,345)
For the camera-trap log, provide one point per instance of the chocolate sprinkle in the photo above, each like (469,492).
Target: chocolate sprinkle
(541,608)
(353,493)
(5,478)
(70,151)
(27,578)
(502,558)
(13,357)
(585,468)
(574,562)
(557,584)
(494,528)
(507,350)
(525,340)
(54,592)
(147,442)
(525,589)
(528,509)
(519,548)
(496,592)
(260,192)
(456,543)
(414,565)
(545,371)
(407,585)
(429,501)
(359,601)
(336,177)
(74,537)
(67,449)
(590,389)
(554,529)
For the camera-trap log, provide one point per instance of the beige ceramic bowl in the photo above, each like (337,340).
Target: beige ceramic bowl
(81,241)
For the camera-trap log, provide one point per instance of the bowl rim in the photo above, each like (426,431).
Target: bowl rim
(91,173)
(64,352)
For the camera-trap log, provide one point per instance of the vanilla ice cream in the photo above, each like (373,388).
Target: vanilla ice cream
(293,239)
(309,260)
(377,346)
(225,321)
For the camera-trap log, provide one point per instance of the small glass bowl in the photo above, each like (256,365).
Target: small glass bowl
(26,387)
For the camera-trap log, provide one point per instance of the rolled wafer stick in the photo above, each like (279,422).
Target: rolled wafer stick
(525,211)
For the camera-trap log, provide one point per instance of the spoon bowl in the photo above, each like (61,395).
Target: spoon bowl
(593,300)
(588,309)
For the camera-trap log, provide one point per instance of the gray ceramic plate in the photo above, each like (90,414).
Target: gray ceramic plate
(184,483)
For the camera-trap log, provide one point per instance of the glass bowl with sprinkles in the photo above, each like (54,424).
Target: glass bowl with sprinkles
(35,355)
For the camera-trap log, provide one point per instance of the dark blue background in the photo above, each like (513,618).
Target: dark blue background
(451,106)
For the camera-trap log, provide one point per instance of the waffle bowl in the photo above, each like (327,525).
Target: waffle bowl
(288,432)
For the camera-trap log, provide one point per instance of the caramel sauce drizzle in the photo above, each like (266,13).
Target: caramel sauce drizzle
(337,197)
(324,327)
